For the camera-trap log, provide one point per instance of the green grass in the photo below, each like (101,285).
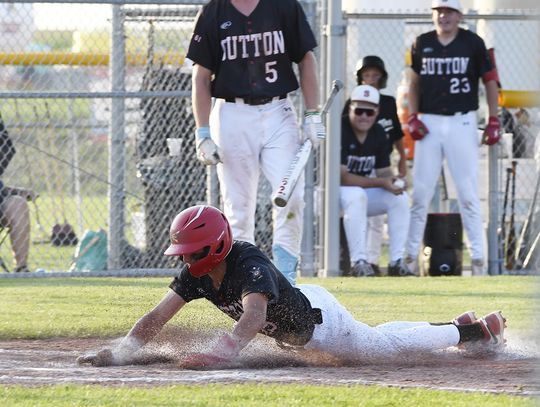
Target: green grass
(82,307)
(249,395)
(108,307)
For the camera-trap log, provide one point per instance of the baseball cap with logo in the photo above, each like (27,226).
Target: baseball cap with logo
(453,4)
(365,93)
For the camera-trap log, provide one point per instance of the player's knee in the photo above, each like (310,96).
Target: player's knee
(353,196)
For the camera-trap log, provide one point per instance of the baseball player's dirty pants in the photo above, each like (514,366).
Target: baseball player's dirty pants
(456,139)
(252,139)
(357,204)
(342,336)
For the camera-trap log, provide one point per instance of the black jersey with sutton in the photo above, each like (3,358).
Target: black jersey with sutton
(449,73)
(387,118)
(251,56)
(363,158)
(289,315)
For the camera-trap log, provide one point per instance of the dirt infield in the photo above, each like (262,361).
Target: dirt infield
(40,362)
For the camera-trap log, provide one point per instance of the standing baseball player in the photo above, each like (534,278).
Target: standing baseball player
(443,98)
(368,186)
(370,70)
(243,51)
(243,283)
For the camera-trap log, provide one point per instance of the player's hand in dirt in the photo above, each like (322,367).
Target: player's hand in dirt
(104,357)
(200,360)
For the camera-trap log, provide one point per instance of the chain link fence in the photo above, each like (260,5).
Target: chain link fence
(109,146)
(515,36)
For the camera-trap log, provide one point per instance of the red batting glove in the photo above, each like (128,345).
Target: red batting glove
(416,127)
(492,133)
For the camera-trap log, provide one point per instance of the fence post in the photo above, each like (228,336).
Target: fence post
(494,263)
(116,141)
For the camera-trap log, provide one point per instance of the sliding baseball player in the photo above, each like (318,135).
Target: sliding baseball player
(244,284)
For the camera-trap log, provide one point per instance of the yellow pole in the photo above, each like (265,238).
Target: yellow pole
(84,58)
(519,98)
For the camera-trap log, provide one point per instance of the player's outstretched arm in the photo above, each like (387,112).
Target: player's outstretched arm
(142,332)
(228,346)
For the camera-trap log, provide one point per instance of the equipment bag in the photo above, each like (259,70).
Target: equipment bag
(63,235)
(91,253)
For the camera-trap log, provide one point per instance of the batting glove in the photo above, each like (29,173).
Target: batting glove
(492,132)
(224,351)
(417,128)
(313,128)
(207,151)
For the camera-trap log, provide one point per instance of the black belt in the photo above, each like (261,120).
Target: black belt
(256,101)
(450,113)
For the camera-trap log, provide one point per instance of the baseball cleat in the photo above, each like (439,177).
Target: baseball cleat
(399,268)
(362,268)
(477,267)
(493,325)
(466,318)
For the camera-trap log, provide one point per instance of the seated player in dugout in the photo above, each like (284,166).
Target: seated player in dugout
(239,279)
(371,70)
(368,185)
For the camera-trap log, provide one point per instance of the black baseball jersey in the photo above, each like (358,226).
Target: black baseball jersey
(289,314)
(449,74)
(387,118)
(363,158)
(251,56)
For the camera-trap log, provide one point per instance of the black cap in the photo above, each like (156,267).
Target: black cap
(371,61)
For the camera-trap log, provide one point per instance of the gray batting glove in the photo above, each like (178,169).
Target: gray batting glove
(313,128)
(207,151)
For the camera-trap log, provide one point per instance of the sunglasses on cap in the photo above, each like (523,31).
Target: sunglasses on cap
(359,111)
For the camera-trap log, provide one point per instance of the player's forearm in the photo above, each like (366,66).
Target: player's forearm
(249,325)
(308,81)
(413,96)
(252,320)
(402,165)
(492,97)
(201,96)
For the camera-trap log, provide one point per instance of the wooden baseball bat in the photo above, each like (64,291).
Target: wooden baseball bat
(502,230)
(283,192)
(512,240)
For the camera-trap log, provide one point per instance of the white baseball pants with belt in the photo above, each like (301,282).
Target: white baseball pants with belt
(251,140)
(348,339)
(456,139)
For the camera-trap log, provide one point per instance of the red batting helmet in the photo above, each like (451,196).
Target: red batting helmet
(197,228)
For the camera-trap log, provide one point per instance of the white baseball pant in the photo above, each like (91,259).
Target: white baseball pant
(358,203)
(346,338)
(252,139)
(456,139)
(375,228)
